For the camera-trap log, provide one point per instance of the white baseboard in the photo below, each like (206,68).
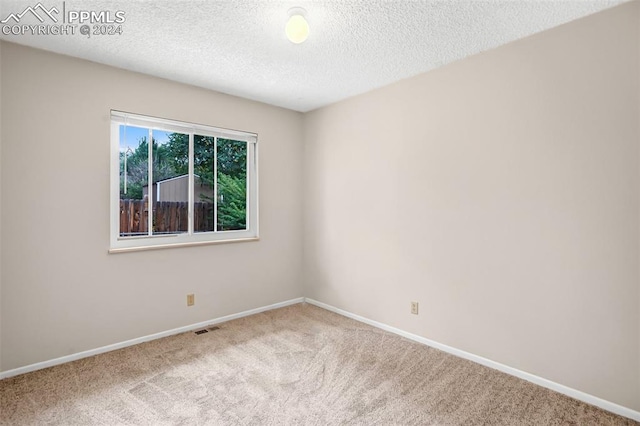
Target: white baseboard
(579,395)
(573,393)
(113,347)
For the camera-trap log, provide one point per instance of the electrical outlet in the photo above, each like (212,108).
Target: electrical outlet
(414,308)
(191,299)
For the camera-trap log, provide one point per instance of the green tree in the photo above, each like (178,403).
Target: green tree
(232,157)
(178,152)
(231,176)
(137,168)
(232,184)
(232,208)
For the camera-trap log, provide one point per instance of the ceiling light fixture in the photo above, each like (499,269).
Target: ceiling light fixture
(297,28)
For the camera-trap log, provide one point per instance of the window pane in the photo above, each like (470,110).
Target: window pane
(134,169)
(204,170)
(232,185)
(170,189)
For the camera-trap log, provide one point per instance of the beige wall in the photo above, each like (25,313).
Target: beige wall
(61,291)
(502,193)
(0,207)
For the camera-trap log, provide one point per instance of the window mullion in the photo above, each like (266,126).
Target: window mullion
(248,188)
(150,197)
(215,184)
(191,199)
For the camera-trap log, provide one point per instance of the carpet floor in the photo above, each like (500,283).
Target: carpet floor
(299,365)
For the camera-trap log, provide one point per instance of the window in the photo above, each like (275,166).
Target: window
(175,183)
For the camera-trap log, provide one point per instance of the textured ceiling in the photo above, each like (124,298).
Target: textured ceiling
(239,47)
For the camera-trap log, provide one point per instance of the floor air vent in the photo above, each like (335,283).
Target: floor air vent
(208,329)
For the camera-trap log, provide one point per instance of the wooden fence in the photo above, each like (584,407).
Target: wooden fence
(168,217)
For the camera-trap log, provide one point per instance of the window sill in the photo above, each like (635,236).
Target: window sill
(176,245)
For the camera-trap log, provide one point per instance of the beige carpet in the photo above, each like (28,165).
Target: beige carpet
(296,365)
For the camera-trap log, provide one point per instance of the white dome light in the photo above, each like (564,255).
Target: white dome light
(297,28)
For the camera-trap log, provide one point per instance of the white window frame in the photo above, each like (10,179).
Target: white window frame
(134,243)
